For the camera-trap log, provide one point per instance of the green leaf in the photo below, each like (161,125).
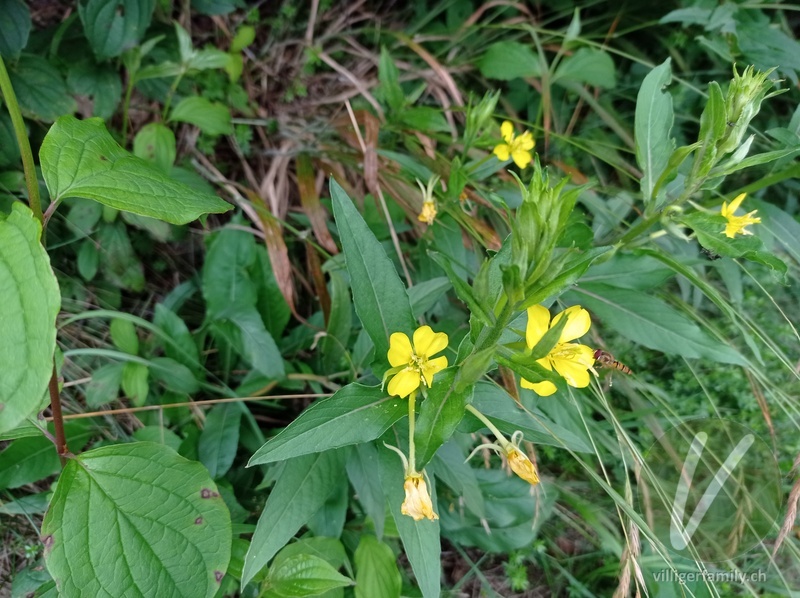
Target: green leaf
(212,118)
(380,297)
(424,295)
(124,337)
(305,575)
(439,415)
(15,27)
(245,35)
(449,465)
(104,386)
(362,463)
(421,539)
(182,348)
(9,151)
(271,303)
(156,516)
(119,263)
(112,26)
(588,66)
(300,490)
(388,75)
(100,82)
(505,413)
(509,60)
(353,415)
(31,459)
(81,159)
(573,266)
(31,301)
(173,375)
(463,290)
(653,124)
(376,570)
(88,260)
(709,230)
(134,382)
(333,345)
(220,438)
(156,144)
(40,88)
(159,435)
(652,323)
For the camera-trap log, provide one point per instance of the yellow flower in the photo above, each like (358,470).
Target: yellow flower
(413,364)
(417,503)
(570,360)
(428,213)
(521,465)
(518,148)
(736,224)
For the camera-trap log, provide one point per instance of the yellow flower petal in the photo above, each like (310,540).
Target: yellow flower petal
(572,362)
(578,323)
(404,383)
(538,322)
(507,131)
(399,349)
(433,366)
(427,342)
(525,141)
(417,503)
(543,389)
(502,152)
(521,465)
(521,157)
(736,203)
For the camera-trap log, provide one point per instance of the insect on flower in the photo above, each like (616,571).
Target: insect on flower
(606,360)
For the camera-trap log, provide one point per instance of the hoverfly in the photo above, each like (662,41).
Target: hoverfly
(606,360)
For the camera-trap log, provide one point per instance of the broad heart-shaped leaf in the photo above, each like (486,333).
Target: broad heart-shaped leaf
(710,232)
(81,159)
(112,26)
(15,26)
(40,88)
(420,539)
(136,519)
(353,415)
(439,415)
(376,570)
(28,311)
(379,296)
(653,124)
(212,118)
(652,323)
(300,490)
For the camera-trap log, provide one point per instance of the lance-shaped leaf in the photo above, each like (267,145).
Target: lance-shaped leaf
(353,415)
(31,301)
(379,295)
(136,520)
(81,159)
(653,124)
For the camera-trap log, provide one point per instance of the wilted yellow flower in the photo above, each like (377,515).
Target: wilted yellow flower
(412,365)
(418,502)
(428,212)
(518,148)
(520,464)
(736,224)
(570,360)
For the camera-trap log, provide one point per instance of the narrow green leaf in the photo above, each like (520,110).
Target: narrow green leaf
(424,295)
(439,415)
(463,290)
(300,490)
(380,297)
(376,570)
(353,415)
(15,27)
(305,575)
(421,539)
(112,26)
(334,344)
(652,323)
(31,301)
(81,159)
(449,465)
(182,347)
(211,117)
(653,124)
(220,439)
(158,517)
(388,75)
(362,463)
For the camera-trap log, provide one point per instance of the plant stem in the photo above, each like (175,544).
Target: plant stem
(503,440)
(412,463)
(31,181)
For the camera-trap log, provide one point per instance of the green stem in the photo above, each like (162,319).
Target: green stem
(503,440)
(412,462)
(31,180)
